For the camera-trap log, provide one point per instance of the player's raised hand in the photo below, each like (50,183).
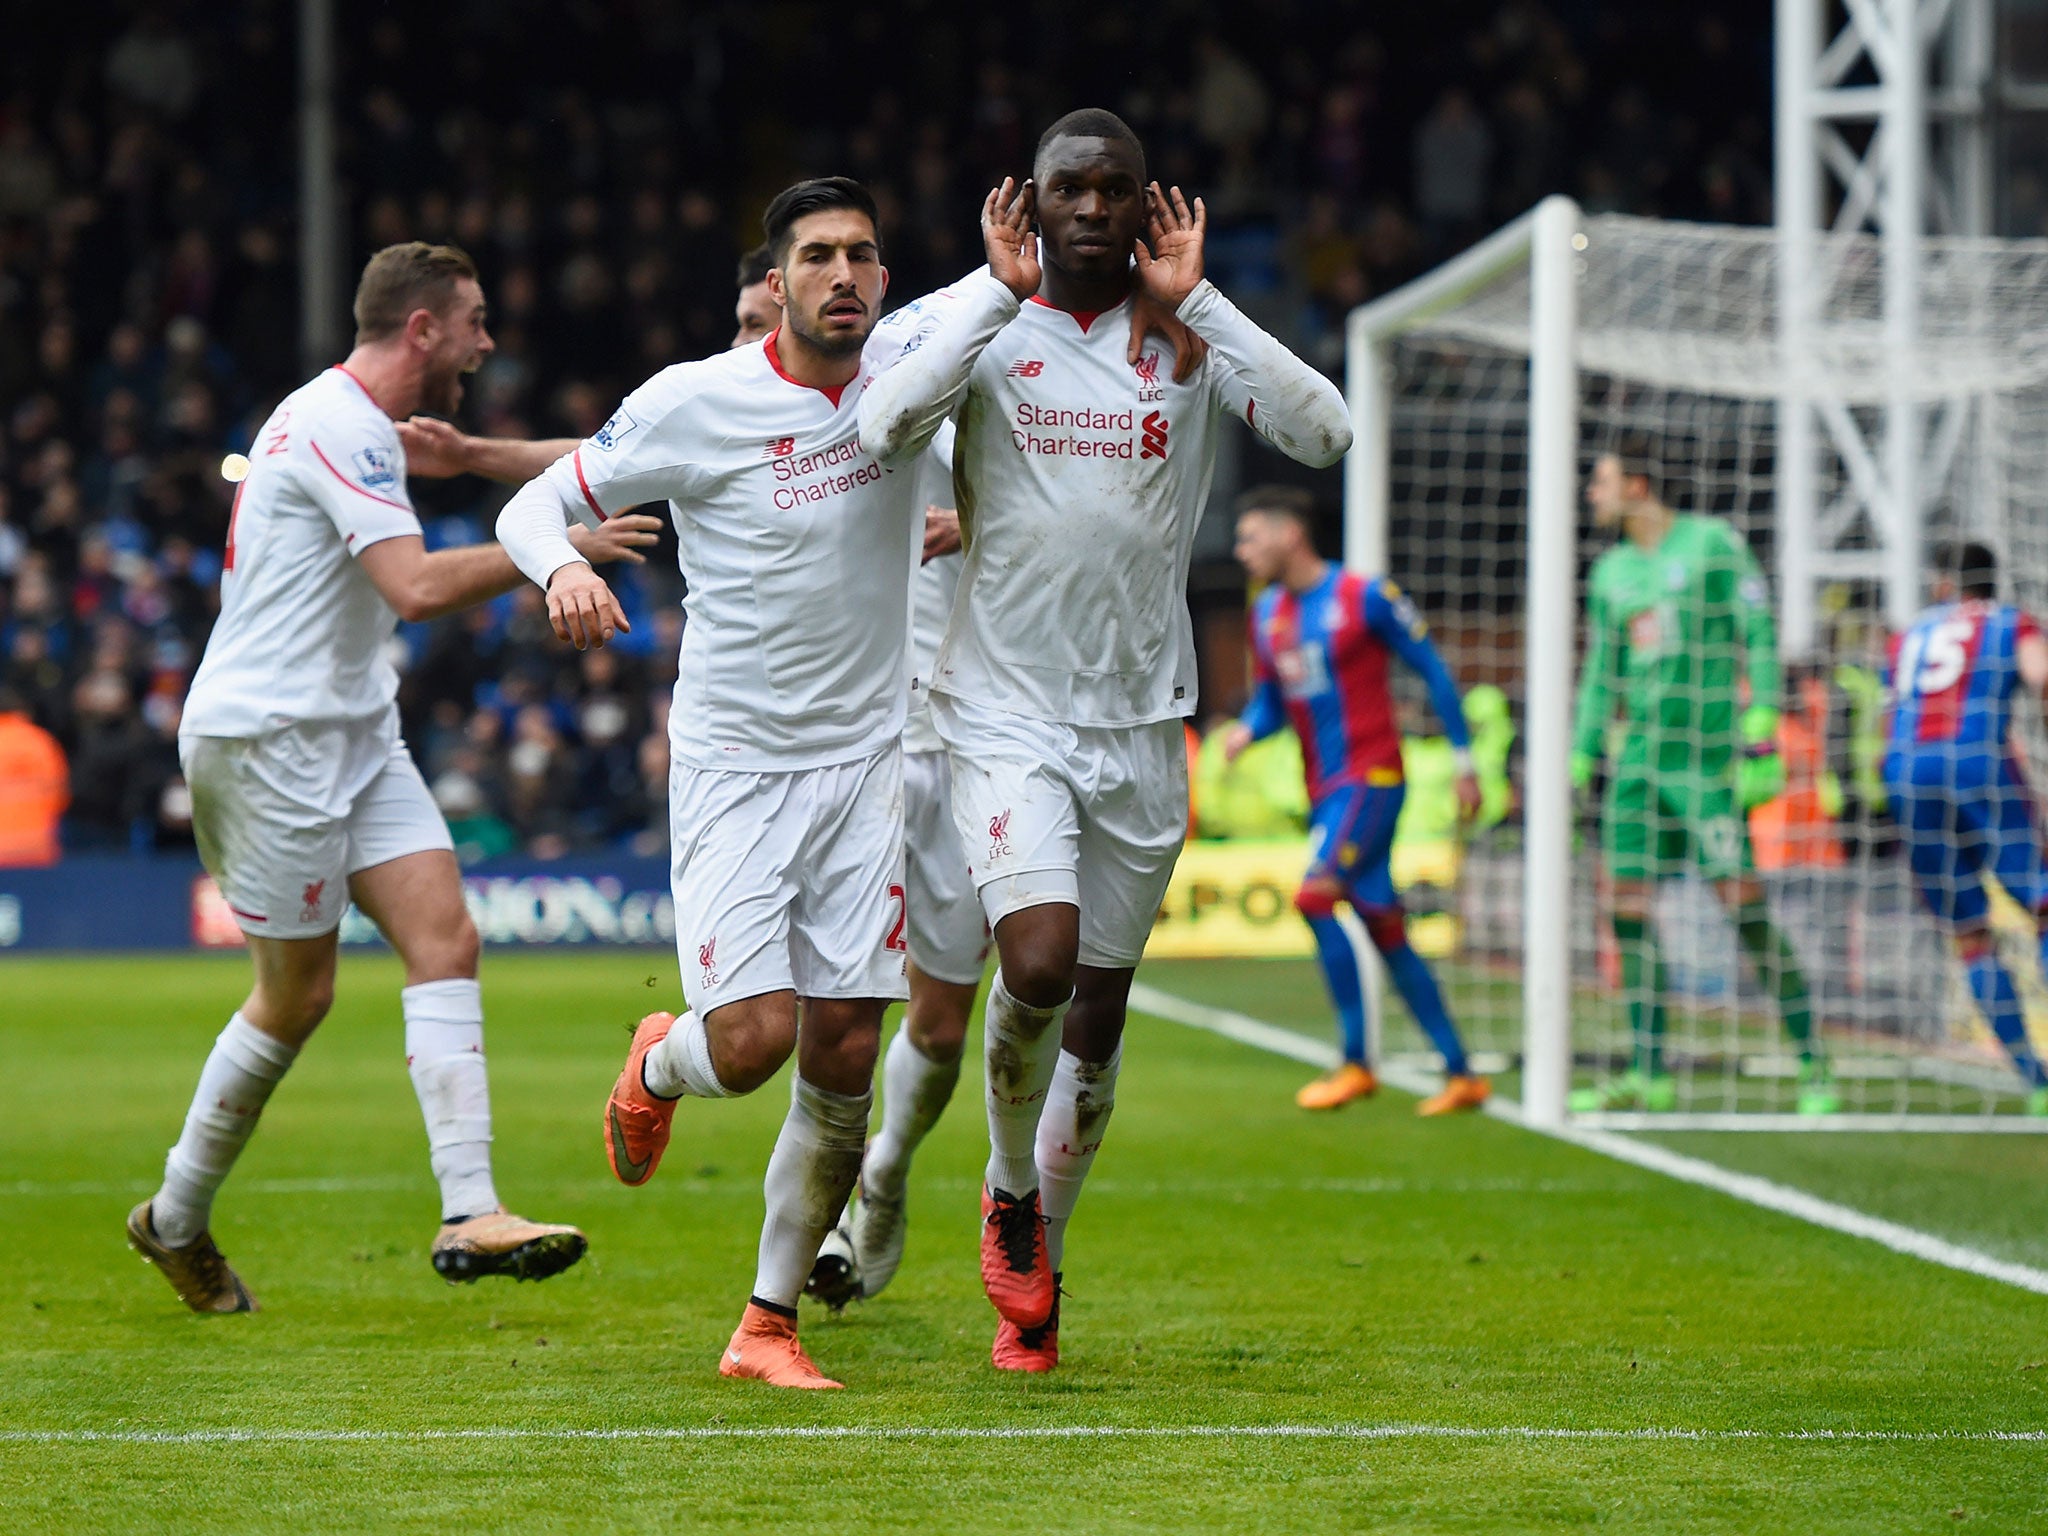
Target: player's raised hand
(617,538)
(1470,797)
(434,449)
(1169,270)
(1151,318)
(1009,239)
(941,532)
(582,608)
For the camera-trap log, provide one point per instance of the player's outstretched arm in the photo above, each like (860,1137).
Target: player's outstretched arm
(1286,401)
(1265,711)
(1595,704)
(420,584)
(1392,616)
(533,528)
(931,346)
(1759,628)
(436,450)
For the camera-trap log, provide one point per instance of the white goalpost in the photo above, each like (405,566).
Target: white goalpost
(1481,394)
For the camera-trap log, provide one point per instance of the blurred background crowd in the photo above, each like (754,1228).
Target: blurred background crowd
(606,162)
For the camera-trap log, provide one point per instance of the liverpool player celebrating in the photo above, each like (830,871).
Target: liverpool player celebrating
(947,933)
(785,798)
(1954,789)
(947,937)
(1069,661)
(1321,640)
(1677,619)
(302,793)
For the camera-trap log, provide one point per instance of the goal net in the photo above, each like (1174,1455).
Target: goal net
(1677,338)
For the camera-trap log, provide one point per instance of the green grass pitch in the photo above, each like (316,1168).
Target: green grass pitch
(1235,1265)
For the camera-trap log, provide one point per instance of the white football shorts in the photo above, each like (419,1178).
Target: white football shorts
(1093,816)
(789,881)
(948,935)
(283,819)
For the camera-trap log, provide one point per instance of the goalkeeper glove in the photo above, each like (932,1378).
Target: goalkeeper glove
(1583,768)
(1762,774)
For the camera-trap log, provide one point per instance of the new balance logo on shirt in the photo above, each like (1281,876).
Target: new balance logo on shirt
(1026,368)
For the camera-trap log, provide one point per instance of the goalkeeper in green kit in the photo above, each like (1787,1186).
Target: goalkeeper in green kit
(1677,617)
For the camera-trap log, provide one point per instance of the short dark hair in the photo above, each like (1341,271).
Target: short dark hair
(402,278)
(754,267)
(814,196)
(1972,563)
(1089,123)
(1295,503)
(1637,453)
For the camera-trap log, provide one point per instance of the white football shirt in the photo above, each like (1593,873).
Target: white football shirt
(302,629)
(796,544)
(931,596)
(1081,479)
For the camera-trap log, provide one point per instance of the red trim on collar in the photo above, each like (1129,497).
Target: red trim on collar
(1082,317)
(775,362)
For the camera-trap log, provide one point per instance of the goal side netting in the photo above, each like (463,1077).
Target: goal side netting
(1676,332)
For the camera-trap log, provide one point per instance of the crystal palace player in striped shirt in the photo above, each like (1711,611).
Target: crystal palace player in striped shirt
(1955,789)
(1322,638)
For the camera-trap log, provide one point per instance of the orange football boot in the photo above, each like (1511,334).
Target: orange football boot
(1335,1089)
(1459,1093)
(1015,1270)
(636,1123)
(764,1348)
(1032,1350)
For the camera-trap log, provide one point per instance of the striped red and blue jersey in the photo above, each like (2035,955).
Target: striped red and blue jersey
(1953,676)
(1320,664)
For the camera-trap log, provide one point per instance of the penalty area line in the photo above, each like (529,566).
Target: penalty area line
(1746,1187)
(942,1432)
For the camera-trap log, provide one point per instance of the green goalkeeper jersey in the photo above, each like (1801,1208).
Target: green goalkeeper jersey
(1672,633)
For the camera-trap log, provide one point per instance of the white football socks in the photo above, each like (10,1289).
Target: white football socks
(1077,1109)
(915,1092)
(1021,1046)
(242,1068)
(680,1063)
(810,1174)
(444,1050)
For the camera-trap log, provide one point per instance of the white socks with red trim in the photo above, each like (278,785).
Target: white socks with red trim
(810,1174)
(1021,1046)
(680,1063)
(444,1051)
(915,1092)
(1077,1109)
(241,1070)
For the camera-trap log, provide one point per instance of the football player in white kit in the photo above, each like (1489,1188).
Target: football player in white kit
(1068,665)
(303,795)
(786,785)
(946,933)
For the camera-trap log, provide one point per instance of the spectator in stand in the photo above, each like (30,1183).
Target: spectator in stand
(1453,169)
(148,300)
(34,786)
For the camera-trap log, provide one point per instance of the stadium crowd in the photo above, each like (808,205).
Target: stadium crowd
(149,300)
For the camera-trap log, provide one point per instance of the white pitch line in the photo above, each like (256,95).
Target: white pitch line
(1746,1187)
(1013,1432)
